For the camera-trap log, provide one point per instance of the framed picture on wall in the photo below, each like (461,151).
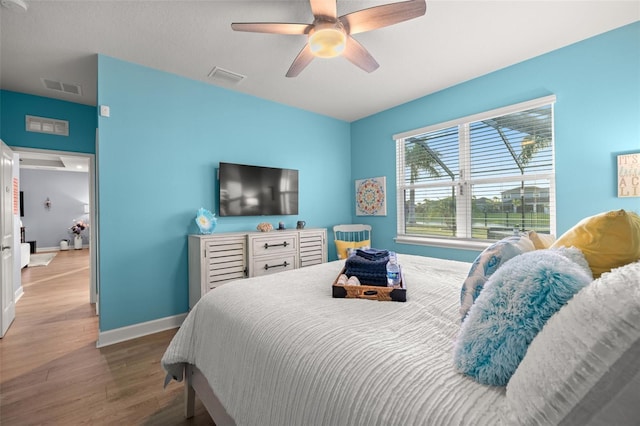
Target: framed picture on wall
(629,175)
(371,197)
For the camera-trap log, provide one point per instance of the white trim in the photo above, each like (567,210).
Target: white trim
(455,243)
(94,236)
(400,216)
(93,213)
(19,293)
(57,248)
(42,249)
(480,116)
(110,337)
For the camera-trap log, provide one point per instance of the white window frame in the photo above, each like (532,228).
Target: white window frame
(463,240)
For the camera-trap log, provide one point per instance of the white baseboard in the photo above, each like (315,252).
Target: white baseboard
(41,249)
(110,337)
(19,293)
(57,248)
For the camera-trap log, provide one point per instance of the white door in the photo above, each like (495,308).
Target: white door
(6,229)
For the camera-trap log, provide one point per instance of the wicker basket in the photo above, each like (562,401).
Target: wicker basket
(371,292)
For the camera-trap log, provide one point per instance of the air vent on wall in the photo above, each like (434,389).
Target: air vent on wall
(47,125)
(225,76)
(73,89)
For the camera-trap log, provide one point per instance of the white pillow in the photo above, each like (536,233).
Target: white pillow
(584,366)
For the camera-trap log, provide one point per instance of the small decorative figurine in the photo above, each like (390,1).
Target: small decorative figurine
(264,227)
(206,221)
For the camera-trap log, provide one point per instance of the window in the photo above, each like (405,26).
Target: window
(478,178)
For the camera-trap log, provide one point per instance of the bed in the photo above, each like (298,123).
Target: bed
(279,350)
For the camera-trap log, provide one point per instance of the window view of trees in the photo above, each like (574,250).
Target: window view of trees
(489,176)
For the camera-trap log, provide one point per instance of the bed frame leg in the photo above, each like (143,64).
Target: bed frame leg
(189,393)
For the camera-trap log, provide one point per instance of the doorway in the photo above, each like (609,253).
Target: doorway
(36,162)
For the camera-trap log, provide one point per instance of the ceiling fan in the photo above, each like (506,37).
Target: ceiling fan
(330,35)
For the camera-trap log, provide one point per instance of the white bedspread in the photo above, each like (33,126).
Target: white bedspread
(279,350)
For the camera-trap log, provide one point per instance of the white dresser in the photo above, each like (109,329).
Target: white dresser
(218,258)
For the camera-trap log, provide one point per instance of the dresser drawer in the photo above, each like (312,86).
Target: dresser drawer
(266,265)
(275,244)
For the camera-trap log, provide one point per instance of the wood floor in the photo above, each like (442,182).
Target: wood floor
(51,372)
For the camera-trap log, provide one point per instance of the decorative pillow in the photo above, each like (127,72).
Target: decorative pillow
(584,366)
(343,247)
(608,240)
(541,241)
(487,263)
(513,307)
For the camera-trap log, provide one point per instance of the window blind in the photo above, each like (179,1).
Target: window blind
(479,177)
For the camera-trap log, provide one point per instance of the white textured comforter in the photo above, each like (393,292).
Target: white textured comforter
(279,350)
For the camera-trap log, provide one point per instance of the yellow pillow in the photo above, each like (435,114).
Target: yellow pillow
(541,241)
(608,240)
(342,247)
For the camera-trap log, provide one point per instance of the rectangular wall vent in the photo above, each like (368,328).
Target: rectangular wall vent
(225,76)
(47,125)
(73,89)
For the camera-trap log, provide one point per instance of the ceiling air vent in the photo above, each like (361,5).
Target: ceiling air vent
(73,89)
(221,75)
(47,125)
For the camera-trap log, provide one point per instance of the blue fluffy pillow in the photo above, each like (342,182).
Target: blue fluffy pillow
(516,302)
(487,263)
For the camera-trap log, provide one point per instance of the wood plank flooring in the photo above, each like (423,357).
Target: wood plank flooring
(52,373)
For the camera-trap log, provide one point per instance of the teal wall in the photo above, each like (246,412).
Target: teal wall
(82,123)
(597,117)
(157,156)
(166,135)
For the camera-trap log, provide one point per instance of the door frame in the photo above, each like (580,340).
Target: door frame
(7,264)
(93,215)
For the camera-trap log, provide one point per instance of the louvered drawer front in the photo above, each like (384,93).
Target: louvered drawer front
(274,245)
(226,262)
(310,250)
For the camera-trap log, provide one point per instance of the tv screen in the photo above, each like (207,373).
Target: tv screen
(257,191)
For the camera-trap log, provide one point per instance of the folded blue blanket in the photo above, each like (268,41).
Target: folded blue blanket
(368,271)
(372,264)
(372,254)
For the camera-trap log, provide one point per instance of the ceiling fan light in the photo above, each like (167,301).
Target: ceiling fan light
(327,42)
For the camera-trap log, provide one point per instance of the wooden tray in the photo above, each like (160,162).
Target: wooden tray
(371,292)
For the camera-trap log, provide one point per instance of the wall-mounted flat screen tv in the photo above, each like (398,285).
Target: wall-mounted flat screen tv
(257,191)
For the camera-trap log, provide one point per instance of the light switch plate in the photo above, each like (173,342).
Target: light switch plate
(104,111)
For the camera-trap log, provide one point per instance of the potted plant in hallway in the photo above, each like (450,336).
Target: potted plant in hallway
(77,229)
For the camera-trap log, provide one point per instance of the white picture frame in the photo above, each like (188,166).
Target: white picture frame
(371,196)
(629,175)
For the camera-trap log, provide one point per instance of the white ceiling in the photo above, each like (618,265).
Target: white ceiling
(453,42)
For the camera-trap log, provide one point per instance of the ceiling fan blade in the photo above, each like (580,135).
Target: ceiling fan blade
(272,27)
(324,8)
(302,60)
(359,56)
(382,16)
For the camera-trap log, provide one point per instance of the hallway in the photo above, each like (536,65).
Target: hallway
(52,373)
